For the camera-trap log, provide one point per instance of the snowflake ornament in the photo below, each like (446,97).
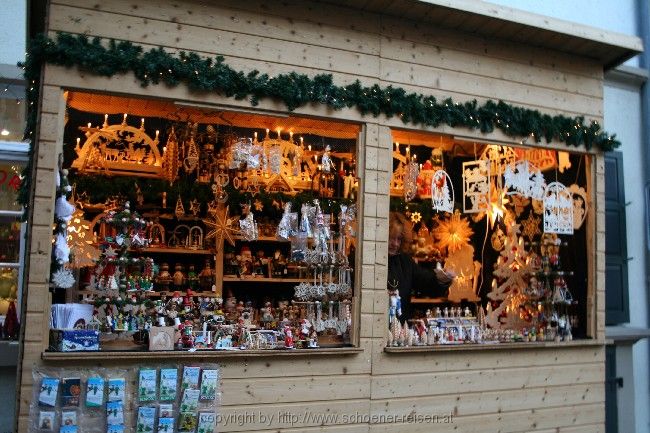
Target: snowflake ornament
(63,278)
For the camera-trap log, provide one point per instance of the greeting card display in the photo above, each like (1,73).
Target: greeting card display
(110,406)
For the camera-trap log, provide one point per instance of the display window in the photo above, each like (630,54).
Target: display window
(11,247)
(488,243)
(194,228)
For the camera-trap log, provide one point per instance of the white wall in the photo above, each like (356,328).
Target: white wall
(13,24)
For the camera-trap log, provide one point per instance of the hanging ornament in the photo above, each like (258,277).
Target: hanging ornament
(195,207)
(258,205)
(580,206)
(220,194)
(63,278)
(247,224)
(519,204)
(180,210)
(170,158)
(416,217)
(453,233)
(411,180)
(191,161)
(442,192)
(476,186)
(531,227)
(220,227)
(61,249)
(524,179)
(544,159)
(497,240)
(564,161)
(285,226)
(558,209)
(326,160)
(63,208)
(305,221)
(499,157)
(275,159)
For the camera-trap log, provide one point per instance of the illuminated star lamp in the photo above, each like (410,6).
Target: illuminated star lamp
(453,233)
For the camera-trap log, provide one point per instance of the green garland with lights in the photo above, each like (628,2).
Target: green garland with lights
(294,90)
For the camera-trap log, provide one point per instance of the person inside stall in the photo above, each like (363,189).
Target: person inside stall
(404,275)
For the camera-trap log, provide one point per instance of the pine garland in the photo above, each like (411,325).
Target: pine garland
(293,90)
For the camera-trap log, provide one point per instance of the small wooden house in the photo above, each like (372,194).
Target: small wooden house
(463,51)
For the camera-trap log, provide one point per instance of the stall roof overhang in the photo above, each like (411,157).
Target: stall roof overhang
(489,20)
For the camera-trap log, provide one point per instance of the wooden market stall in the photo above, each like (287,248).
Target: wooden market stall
(150,129)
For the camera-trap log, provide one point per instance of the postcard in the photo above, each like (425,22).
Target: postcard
(49,391)
(147,385)
(168,384)
(95,392)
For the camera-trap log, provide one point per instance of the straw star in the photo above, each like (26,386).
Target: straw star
(531,226)
(258,205)
(220,228)
(195,207)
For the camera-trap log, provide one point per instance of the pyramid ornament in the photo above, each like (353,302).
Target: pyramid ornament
(180,210)
(221,227)
(191,161)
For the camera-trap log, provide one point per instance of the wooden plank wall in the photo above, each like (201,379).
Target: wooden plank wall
(542,390)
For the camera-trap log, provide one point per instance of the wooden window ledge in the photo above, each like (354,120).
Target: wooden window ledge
(493,346)
(107,355)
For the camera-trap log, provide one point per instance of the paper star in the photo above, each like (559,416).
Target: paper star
(531,226)
(258,205)
(110,252)
(221,228)
(195,207)
(213,206)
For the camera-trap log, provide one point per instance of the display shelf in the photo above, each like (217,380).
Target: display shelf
(428,300)
(197,354)
(152,294)
(262,238)
(264,279)
(492,346)
(164,250)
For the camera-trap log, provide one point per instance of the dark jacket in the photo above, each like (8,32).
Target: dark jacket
(410,276)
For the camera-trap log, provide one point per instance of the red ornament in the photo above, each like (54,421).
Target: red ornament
(11,327)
